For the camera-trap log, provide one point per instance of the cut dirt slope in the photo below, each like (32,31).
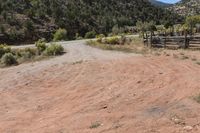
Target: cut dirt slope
(93,91)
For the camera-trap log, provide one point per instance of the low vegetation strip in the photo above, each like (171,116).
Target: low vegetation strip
(9,57)
(123,44)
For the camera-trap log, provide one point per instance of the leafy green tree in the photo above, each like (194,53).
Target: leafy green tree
(192,21)
(78,16)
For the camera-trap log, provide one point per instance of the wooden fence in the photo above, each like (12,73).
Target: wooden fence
(186,41)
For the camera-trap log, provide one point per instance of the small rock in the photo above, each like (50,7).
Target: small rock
(176,120)
(105,107)
(188,128)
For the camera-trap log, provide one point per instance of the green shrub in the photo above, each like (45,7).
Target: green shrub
(112,40)
(15,34)
(28,53)
(8,59)
(21,52)
(78,37)
(100,37)
(29,25)
(90,34)
(61,34)
(54,49)
(41,45)
(4,49)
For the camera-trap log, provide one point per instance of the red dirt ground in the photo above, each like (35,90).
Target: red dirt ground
(125,95)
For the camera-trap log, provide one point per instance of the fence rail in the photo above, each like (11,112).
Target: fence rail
(185,41)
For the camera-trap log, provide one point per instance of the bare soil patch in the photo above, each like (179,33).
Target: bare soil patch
(89,90)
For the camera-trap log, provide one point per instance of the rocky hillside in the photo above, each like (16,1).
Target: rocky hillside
(22,20)
(187,7)
(160,4)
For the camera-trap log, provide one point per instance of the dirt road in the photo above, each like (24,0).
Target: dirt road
(89,90)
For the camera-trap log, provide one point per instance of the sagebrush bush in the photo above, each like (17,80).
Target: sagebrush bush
(4,49)
(100,37)
(8,59)
(61,34)
(112,40)
(54,49)
(41,45)
(28,53)
(16,56)
(90,34)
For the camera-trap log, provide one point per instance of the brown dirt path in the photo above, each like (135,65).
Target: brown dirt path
(116,92)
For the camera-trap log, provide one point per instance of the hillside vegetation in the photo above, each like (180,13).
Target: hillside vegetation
(28,20)
(159,3)
(187,7)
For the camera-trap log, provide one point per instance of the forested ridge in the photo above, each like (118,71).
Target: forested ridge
(160,4)
(32,19)
(187,7)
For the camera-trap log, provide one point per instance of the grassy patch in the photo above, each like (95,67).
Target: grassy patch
(198,62)
(77,62)
(197,98)
(184,57)
(135,46)
(95,125)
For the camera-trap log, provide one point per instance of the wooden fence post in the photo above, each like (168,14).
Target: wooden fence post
(147,39)
(151,39)
(143,37)
(165,42)
(186,40)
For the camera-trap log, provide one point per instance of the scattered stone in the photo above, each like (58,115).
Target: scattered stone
(178,121)
(188,128)
(105,107)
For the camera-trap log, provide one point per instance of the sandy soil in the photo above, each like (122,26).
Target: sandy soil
(89,90)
